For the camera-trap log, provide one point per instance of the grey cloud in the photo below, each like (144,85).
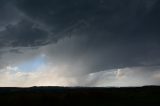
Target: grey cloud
(111,15)
(9,13)
(135,76)
(102,34)
(23,34)
(116,22)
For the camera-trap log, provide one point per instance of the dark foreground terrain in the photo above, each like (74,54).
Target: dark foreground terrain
(70,96)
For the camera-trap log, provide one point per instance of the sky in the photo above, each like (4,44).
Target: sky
(92,43)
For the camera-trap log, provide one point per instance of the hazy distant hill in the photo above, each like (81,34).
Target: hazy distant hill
(79,96)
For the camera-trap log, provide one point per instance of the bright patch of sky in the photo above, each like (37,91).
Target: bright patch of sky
(33,64)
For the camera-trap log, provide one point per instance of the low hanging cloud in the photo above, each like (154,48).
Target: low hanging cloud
(59,76)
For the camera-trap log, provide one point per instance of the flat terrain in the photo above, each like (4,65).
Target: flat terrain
(79,96)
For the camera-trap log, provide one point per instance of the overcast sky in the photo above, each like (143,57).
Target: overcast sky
(79,42)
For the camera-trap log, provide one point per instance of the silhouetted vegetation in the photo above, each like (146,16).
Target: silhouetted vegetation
(79,96)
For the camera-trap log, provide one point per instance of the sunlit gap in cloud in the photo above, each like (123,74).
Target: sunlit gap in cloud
(33,64)
(37,71)
(51,75)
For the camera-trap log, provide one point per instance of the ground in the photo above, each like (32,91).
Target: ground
(80,96)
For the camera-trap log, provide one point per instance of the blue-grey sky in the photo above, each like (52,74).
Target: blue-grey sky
(79,42)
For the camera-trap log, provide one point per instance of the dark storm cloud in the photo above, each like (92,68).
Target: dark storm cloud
(24,34)
(127,21)
(118,33)
(7,13)
(110,15)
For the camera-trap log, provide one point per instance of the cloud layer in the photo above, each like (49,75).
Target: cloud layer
(87,36)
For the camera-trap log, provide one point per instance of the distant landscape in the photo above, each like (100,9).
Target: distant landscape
(80,96)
